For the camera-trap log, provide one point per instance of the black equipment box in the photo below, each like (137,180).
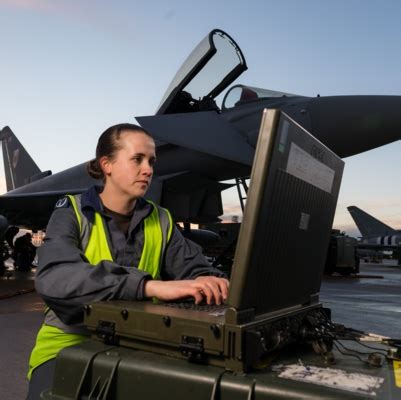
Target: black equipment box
(94,370)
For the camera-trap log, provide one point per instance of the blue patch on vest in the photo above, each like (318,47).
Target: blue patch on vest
(63,203)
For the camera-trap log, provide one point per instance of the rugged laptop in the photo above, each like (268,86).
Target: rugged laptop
(277,270)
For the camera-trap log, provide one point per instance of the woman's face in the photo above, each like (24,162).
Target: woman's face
(130,172)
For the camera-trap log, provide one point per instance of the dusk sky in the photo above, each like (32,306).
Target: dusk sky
(69,69)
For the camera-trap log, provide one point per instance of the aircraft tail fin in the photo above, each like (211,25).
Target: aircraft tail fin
(368,225)
(19,166)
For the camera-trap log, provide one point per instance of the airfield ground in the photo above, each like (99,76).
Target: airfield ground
(371,304)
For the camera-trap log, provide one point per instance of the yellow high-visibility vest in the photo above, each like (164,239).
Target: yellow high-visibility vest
(158,227)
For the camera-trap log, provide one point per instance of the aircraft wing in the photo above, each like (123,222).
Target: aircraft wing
(205,132)
(30,210)
(189,197)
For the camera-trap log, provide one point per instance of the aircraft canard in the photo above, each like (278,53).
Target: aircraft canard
(200,144)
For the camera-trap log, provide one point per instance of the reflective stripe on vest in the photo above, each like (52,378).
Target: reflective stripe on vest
(158,227)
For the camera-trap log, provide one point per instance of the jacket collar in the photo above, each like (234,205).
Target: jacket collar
(91,203)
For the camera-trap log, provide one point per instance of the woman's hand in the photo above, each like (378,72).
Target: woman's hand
(211,288)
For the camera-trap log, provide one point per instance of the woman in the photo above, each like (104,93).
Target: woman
(110,243)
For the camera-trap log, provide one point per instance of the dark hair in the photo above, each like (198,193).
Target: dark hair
(108,145)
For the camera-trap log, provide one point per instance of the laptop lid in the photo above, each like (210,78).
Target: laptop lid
(291,201)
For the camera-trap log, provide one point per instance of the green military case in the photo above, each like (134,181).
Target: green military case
(221,340)
(94,370)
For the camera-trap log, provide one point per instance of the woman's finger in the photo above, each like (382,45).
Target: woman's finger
(197,294)
(214,287)
(207,292)
(223,285)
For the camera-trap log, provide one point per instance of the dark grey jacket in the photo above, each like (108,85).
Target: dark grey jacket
(66,280)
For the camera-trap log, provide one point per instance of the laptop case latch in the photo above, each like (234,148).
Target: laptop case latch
(192,347)
(105,330)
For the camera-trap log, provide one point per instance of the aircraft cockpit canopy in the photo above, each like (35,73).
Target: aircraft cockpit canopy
(211,67)
(240,94)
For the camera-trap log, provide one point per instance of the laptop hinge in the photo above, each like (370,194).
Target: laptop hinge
(313,299)
(239,317)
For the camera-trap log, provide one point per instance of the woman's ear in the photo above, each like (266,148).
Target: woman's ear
(105,165)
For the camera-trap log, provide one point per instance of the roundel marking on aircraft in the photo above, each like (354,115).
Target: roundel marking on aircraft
(62,202)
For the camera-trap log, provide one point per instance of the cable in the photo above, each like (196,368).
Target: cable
(375,359)
(369,347)
(364,353)
(348,354)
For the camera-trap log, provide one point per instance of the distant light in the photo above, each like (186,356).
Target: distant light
(37,238)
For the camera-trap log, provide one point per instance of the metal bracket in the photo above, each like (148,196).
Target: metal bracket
(105,330)
(192,347)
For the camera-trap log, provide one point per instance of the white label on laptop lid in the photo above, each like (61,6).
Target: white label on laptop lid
(304,221)
(303,166)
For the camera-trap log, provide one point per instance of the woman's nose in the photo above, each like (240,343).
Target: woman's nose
(147,168)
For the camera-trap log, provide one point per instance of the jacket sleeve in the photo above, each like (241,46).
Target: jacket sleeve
(184,260)
(67,281)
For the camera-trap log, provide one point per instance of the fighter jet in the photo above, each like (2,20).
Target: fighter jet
(375,234)
(200,144)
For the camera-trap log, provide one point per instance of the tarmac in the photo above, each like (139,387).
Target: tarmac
(370,302)
(15,283)
(21,314)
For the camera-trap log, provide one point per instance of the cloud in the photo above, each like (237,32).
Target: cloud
(170,13)
(33,5)
(103,16)
(78,10)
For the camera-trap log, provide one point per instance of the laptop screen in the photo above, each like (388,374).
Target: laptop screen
(283,241)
